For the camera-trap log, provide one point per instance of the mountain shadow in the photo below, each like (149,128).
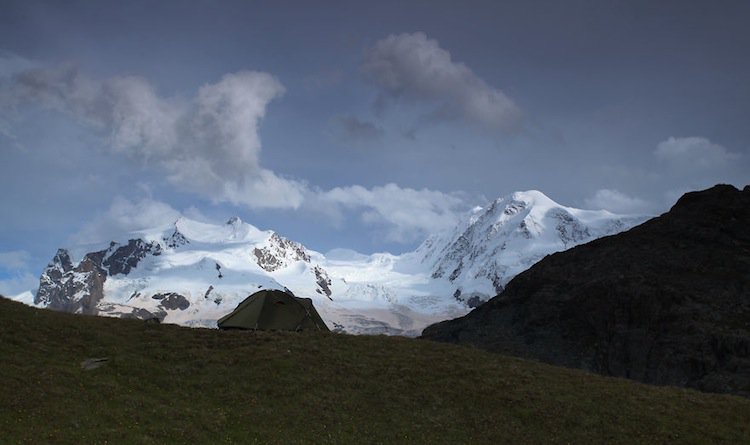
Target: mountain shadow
(667,302)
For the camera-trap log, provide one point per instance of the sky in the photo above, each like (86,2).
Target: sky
(360,125)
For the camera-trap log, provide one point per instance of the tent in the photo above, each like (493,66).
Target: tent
(274,309)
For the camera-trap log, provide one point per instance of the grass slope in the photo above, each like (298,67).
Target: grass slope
(167,384)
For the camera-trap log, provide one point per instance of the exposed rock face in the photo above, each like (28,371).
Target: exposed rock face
(128,256)
(175,240)
(72,289)
(51,281)
(115,310)
(172,301)
(323,280)
(667,302)
(79,288)
(279,252)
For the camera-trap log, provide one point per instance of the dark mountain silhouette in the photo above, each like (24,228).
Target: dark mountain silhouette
(667,302)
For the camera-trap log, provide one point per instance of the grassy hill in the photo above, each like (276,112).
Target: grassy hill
(168,384)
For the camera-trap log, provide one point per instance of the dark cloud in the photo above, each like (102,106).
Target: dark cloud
(413,67)
(352,129)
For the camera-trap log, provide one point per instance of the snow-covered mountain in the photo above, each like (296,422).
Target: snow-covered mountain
(188,272)
(496,243)
(193,273)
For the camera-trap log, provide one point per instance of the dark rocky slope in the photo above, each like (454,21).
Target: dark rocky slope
(667,302)
(79,288)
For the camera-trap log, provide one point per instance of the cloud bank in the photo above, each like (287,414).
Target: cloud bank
(414,67)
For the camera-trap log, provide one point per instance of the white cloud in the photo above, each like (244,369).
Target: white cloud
(406,214)
(693,153)
(618,202)
(125,216)
(208,145)
(414,67)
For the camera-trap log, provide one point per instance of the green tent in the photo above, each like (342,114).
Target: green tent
(274,309)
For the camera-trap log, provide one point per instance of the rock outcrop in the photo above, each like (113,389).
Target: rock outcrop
(69,288)
(667,302)
(78,288)
(279,252)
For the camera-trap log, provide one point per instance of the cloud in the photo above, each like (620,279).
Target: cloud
(207,145)
(125,216)
(617,202)
(405,214)
(693,153)
(413,67)
(352,129)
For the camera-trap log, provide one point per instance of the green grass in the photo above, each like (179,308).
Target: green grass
(167,384)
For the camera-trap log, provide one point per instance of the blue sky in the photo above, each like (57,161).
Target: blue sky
(364,125)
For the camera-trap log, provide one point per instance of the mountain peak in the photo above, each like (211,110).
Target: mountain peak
(533,197)
(233,231)
(234,221)
(532,201)
(494,244)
